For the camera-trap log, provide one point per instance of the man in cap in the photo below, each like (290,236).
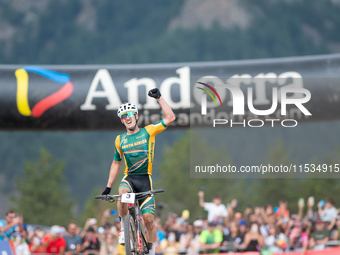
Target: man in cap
(90,243)
(211,238)
(53,242)
(320,236)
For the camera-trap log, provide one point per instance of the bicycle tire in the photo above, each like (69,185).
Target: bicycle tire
(130,235)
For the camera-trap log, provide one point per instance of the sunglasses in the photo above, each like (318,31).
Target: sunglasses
(128,114)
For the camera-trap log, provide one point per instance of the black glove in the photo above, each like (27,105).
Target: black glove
(154,93)
(106,191)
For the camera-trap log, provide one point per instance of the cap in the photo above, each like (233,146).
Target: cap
(101,230)
(242,223)
(106,225)
(55,230)
(318,221)
(198,223)
(90,229)
(212,224)
(186,214)
(117,220)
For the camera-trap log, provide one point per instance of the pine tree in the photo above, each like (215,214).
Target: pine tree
(43,197)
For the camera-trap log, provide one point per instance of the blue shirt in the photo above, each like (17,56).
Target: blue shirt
(9,232)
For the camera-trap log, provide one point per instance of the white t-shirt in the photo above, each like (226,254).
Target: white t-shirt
(215,211)
(329,214)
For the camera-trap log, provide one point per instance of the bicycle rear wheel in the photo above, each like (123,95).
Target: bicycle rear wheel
(130,235)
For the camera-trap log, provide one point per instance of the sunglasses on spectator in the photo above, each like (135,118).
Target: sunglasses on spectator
(128,114)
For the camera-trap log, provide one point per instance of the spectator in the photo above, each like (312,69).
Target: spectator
(231,209)
(90,244)
(170,246)
(109,246)
(184,218)
(194,245)
(8,225)
(320,236)
(186,235)
(20,245)
(73,241)
(298,239)
(36,246)
(310,212)
(253,240)
(336,235)
(215,209)
(54,243)
(262,226)
(117,226)
(243,229)
(329,213)
(211,238)
(275,241)
(233,238)
(283,212)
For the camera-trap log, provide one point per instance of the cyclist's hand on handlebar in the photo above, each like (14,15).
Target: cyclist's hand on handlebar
(106,191)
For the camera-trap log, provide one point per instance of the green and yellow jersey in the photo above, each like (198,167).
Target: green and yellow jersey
(138,149)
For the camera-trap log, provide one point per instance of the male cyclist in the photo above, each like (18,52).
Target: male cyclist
(137,146)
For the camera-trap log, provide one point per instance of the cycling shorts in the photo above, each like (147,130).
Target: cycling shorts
(140,183)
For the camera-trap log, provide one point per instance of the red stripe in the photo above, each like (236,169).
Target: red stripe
(213,90)
(50,101)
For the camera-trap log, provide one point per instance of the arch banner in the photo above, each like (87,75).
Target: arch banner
(86,97)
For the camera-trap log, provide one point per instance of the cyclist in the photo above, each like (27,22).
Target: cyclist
(137,146)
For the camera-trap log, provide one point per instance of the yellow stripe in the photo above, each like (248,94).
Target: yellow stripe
(151,153)
(150,182)
(127,182)
(118,146)
(146,200)
(22,92)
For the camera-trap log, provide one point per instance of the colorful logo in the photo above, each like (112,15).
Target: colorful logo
(213,90)
(49,101)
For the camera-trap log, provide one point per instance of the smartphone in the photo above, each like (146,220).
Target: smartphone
(301,202)
(93,221)
(311,201)
(322,203)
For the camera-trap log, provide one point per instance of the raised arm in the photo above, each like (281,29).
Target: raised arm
(169,114)
(201,198)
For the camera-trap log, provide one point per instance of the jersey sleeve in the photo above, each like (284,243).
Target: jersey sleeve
(118,154)
(157,128)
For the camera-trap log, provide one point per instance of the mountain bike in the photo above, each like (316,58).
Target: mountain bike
(134,228)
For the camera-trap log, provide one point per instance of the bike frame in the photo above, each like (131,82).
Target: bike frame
(135,212)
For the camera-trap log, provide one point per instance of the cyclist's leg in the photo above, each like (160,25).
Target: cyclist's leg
(124,187)
(148,212)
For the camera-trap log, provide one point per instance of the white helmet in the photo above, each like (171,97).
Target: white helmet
(127,107)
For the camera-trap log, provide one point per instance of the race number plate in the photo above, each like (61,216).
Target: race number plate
(128,198)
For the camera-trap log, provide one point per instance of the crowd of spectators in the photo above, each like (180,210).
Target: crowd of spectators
(226,229)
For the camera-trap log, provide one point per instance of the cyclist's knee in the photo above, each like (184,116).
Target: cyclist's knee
(124,190)
(149,220)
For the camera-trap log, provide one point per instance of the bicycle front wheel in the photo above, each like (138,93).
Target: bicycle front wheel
(130,235)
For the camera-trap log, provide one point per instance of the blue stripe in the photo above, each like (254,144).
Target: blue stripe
(54,76)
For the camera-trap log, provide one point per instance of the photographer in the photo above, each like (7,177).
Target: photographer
(8,225)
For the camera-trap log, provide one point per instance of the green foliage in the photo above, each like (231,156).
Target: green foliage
(181,191)
(42,195)
(119,32)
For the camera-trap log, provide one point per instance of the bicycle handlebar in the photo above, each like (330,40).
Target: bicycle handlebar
(112,198)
